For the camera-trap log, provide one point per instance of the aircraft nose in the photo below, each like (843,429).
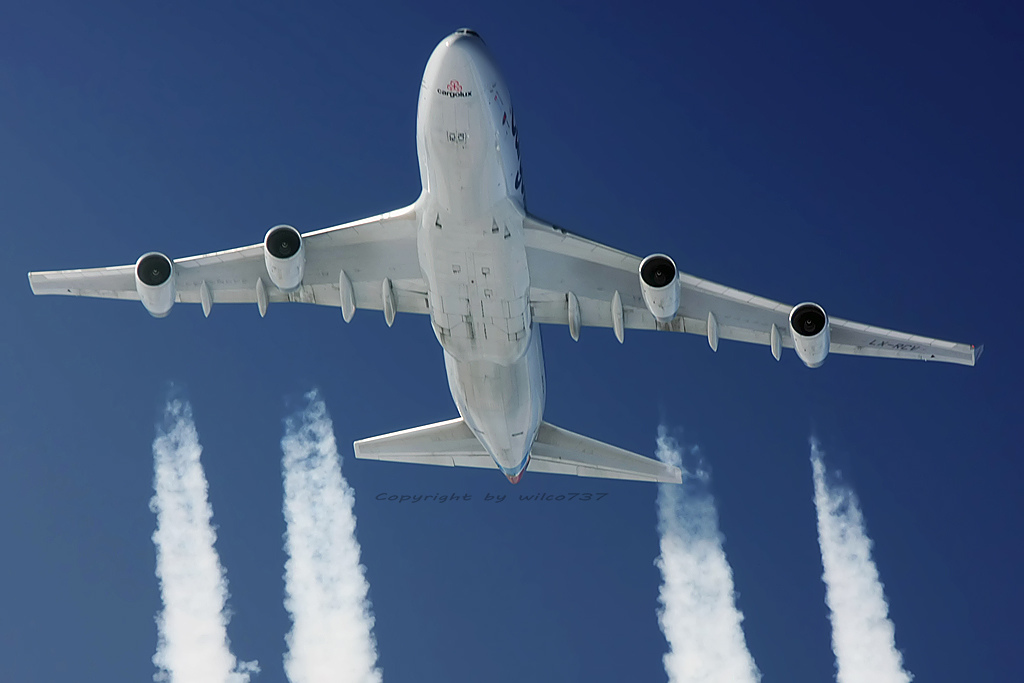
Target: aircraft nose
(456,65)
(465,45)
(468,32)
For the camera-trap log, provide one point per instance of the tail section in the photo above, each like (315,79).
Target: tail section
(449,443)
(555,451)
(559,451)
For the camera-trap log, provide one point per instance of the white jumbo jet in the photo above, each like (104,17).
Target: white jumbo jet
(468,254)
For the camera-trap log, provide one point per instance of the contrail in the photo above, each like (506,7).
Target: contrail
(325,586)
(863,637)
(698,614)
(192,644)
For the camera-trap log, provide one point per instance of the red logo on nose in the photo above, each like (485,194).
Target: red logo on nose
(454,86)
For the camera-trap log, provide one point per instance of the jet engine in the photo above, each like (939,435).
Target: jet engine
(285,256)
(154,281)
(811,336)
(659,284)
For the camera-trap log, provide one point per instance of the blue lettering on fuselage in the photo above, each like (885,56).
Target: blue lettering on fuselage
(515,136)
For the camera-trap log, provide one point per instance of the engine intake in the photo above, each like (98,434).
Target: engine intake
(154,281)
(659,284)
(285,256)
(811,334)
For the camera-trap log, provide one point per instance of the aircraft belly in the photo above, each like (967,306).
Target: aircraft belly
(479,285)
(502,404)
(465,173)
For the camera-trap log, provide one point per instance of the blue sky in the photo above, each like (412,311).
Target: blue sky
(866,157)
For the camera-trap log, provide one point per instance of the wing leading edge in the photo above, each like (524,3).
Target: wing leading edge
(562,263)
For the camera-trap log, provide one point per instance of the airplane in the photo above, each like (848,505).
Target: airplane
(468,254)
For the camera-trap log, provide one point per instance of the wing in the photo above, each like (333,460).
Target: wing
(368,251)
(561,263)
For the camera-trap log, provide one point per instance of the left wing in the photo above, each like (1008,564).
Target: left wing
(562,263)
(368,251)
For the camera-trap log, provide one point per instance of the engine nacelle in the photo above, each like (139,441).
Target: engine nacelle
(154,281)
(811,335)
(659,284)
(285,255)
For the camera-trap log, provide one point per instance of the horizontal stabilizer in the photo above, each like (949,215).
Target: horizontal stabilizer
(556,451)
(449,443)
(559,451)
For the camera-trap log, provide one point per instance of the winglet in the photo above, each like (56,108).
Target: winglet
(978,350)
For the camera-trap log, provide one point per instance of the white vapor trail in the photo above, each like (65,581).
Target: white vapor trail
(698,614)
(325,586)
(192,642)
(863,637)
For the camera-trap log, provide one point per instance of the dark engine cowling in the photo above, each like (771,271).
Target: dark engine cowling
(285,256)
(154,281)
(811,336)
(659,284)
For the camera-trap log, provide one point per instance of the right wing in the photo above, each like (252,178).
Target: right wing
(368,251)
(562,263)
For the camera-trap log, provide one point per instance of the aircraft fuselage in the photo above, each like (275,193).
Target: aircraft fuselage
(472,251)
